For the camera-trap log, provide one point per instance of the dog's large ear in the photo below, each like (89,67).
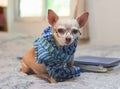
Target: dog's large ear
(52,17)
(82,19)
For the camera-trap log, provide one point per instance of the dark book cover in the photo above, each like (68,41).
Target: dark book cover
(97,61)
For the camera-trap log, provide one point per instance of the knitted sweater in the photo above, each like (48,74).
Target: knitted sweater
(55,58)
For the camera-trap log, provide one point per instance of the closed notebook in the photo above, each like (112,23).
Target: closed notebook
(97,61)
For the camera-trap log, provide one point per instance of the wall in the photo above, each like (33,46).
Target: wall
(10,15)
(31,28)
(34,28)
(104,22)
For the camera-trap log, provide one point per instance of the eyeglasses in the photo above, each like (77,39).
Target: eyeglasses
(74,32)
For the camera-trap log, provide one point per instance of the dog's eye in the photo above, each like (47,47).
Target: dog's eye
(61,31)
(75,31)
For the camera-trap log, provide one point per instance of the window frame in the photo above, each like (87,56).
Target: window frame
(28,19)
(35,19)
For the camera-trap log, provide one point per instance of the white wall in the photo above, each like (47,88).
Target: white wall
(104,22)
(31,28)
(10,15)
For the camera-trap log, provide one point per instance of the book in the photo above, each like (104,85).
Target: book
(97,64)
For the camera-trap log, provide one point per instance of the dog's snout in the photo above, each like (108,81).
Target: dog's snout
(68,40)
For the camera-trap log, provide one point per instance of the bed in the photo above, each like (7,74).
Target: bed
(13,45)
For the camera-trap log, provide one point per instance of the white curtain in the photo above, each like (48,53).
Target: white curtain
(77,8)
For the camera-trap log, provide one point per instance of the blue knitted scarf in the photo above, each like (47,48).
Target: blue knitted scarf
(55,58)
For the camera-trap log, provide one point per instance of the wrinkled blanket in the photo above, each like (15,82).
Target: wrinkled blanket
(13,45)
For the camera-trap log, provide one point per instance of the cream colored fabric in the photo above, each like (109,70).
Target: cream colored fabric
(78,8)
(13,45)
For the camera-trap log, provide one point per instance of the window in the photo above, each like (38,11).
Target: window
(38,8)
(30,8)
(61,7)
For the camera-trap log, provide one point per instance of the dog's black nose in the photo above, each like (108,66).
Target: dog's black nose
(68,40)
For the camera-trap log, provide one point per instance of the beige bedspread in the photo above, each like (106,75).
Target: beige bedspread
(13,45)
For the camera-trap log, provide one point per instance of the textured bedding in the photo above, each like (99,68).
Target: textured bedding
(13,45)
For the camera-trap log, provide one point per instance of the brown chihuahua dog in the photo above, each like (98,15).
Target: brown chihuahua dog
(51,57)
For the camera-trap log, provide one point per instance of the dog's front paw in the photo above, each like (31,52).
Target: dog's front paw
(52,80)
(70,64)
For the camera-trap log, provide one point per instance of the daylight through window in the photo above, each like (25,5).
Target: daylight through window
(37,8)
